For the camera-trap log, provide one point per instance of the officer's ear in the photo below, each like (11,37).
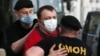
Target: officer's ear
(16,13)
(78,31)
(59,28)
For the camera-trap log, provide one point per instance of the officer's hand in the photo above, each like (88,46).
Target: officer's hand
(59,52)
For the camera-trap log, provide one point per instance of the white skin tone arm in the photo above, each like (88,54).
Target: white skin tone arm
(18,45)
(37,51)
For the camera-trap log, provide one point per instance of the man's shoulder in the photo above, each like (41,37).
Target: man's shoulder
(34,33)
(12,27)
(14,24)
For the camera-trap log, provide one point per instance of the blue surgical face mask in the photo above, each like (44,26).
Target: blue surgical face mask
(27,19)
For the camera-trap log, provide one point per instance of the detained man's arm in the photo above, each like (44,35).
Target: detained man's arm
(18,45)
(35,51)
(38,51)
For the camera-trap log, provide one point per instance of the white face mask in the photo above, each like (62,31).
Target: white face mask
(50,24)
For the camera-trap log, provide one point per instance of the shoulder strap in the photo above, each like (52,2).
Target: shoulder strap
(41,33)
(57,29)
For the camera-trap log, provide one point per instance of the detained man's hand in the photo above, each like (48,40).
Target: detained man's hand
(59,52)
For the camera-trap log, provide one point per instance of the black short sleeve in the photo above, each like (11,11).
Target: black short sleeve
(46,45)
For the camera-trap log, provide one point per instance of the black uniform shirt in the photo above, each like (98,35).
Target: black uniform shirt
(73,46)
(13,33)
